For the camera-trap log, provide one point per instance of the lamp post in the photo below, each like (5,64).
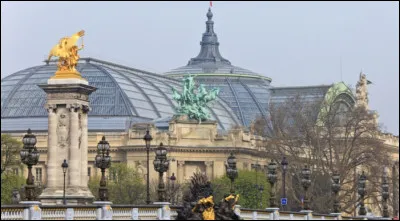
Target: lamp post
(147,138)
(385,195)
(29,156)
(284,164)
(103,161)
(272,177)
(361,191)
(64,166)
(172,192)
(335,190)
(260,188)
(231,170)
(161,165)
(306,182)
(395,180)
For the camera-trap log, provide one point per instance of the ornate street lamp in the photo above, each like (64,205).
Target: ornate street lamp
(306,182)
(172,191)
(335,190)
(103,161)
(231,170)
(29,156)
(64,166)
(385,195)
(272,177)
(161,165)
(284,164)
(361,191)
(147,138)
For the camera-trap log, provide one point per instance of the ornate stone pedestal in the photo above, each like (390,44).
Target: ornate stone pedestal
(192,133)
(68,106)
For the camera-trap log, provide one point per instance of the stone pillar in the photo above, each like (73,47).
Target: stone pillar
(34,212)
(68,140)
(209,169)
(104,210)
(74,151)
(338,215)
(181,171)
(53,166)
(84,145)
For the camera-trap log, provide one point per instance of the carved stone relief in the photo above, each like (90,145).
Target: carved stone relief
(63,127)
(141,169)
(80,130)
(65,96)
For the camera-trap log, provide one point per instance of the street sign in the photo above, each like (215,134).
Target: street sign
(283,201)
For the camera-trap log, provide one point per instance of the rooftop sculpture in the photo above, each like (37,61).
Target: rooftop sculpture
(193,104)
(67,52)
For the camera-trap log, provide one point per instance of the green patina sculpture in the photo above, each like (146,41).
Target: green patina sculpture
(193,104)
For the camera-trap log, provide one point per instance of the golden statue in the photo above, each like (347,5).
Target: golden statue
(67,52)
(234,198)
(206,207)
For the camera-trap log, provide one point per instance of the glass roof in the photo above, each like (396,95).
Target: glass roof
(121,92)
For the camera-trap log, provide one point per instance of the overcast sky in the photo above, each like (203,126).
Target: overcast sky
(294,43)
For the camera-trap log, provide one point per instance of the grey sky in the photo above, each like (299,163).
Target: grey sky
(294,43)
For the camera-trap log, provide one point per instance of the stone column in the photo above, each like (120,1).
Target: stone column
(84,145)
(67,140)
(74,151)
(52,164)
(209,169)
(181,171)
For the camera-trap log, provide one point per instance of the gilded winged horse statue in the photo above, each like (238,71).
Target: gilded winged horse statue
(67,52)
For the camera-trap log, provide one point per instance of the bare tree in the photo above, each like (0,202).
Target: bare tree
(328,135)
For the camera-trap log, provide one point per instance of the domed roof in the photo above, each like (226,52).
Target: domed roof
(124,95)
(210,61)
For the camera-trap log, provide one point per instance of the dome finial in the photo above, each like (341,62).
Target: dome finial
(209,52)
(209,14)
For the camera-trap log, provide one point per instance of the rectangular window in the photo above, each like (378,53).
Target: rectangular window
(38,177)
(88,171)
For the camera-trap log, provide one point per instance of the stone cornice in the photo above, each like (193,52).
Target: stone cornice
(186,149)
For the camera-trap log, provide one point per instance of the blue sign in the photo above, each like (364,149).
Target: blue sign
(283,201)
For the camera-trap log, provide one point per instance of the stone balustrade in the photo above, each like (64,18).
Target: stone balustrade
(147,212)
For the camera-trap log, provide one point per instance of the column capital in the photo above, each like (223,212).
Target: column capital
(74,107)
(181,163)
(86,109)
(51,108)
(208,163)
